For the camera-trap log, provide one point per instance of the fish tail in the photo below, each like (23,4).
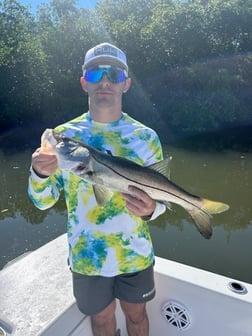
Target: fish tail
(212,207)
(202,215)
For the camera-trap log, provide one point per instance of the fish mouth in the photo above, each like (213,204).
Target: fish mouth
(57,137)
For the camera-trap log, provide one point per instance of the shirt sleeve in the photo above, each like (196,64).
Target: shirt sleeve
(156,157)
(44,192)
(159,210)
(154,149)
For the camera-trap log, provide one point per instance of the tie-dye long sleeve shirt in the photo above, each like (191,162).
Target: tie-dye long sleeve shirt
(105,240)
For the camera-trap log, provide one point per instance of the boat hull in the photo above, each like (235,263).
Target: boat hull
(36,299)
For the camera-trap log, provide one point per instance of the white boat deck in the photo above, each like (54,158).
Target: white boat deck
(36,299)
(35,289)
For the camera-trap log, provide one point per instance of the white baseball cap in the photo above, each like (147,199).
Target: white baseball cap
(105,52)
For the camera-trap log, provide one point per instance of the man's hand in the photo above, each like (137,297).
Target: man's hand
(140,204)
(44,164)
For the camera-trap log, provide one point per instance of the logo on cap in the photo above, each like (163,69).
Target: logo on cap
(105,50)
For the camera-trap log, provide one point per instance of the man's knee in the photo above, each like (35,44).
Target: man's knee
(135,313)
(105,316)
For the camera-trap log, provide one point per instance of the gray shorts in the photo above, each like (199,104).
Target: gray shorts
(95,293)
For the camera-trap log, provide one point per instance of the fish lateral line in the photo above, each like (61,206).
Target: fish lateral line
(159,189)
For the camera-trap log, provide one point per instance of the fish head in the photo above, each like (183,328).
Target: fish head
(71,154)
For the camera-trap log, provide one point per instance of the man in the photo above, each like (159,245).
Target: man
(110,249)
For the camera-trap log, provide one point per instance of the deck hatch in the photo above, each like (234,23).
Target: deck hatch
(176,314)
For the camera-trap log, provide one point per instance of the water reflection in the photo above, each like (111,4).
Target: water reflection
(17,213)
(223,176)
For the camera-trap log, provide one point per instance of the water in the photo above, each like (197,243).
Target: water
(225,176)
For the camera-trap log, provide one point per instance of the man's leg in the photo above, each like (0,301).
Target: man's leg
(94,296)
(104,323)
(136,318)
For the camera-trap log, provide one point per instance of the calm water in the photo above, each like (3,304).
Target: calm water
(223,176)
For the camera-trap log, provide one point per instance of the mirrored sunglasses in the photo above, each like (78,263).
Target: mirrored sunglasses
(114,74)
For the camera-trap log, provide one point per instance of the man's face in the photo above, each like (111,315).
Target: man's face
(105,84)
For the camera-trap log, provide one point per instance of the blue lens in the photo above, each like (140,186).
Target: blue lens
(94,75)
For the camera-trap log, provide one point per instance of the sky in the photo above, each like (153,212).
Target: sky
(33,4)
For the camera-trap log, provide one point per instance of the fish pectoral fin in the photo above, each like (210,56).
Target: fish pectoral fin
(168,205)
(102,194)
(163,167)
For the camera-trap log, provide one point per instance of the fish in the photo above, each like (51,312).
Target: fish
(108,173)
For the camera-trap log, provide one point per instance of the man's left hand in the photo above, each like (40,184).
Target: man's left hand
(139,203)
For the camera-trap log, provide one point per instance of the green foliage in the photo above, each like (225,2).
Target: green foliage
(23,67)
(206,95)
(190,60)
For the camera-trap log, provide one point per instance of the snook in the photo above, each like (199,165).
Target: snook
(108,173)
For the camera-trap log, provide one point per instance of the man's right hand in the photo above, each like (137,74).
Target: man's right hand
(44,164)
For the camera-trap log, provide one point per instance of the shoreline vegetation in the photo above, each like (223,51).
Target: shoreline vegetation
(238,139)
(190,61)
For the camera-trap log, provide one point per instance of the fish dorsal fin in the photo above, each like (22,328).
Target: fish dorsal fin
(102,194)
(163,167)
